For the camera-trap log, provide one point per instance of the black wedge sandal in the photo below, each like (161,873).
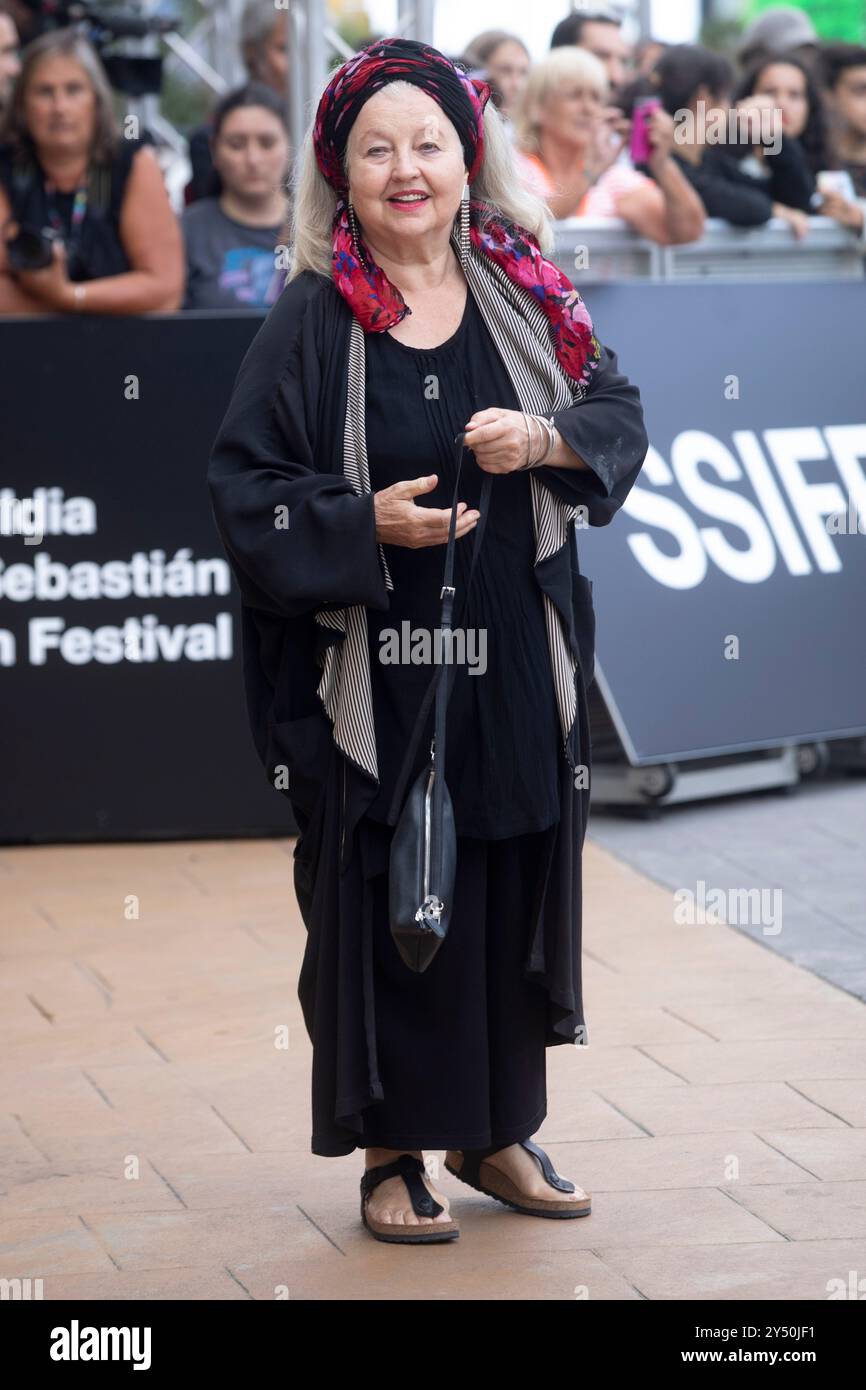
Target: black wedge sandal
(409,1168)
(469,1167)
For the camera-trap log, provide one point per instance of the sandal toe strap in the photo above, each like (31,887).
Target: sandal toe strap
(550,1174)
(409,1168)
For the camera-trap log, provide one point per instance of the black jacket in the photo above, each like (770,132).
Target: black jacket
(730,192)
(281,446)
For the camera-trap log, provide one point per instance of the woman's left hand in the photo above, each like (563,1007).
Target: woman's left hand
(52,285)
(498,439)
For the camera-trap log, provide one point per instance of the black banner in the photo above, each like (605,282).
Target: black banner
(729,590)
(119,631)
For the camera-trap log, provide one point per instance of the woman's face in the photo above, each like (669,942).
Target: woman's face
(251,152)
(402,143)
(787,87)
(507,71)
(271,64)
(60,106)
(571,114)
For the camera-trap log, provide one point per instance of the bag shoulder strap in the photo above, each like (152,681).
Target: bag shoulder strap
(437,688)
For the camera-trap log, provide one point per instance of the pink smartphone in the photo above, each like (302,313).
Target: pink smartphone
(641,149)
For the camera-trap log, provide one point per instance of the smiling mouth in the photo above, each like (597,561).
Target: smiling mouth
(409,199)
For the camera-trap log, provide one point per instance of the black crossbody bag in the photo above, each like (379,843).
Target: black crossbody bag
(423,859)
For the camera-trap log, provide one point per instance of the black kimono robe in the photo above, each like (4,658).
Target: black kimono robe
(300,539)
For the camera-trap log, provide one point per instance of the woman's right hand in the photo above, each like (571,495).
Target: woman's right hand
(400,522)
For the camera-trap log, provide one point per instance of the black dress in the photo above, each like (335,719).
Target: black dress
(462,1046)
(503,727)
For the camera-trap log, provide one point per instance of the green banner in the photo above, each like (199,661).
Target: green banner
(834,19)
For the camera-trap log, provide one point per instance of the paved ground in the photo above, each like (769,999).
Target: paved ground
(155,1141)
(809,846)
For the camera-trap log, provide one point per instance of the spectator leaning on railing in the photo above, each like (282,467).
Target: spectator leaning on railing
(695,87)
(231,237)
(786,82)
(568,154)
(113,243)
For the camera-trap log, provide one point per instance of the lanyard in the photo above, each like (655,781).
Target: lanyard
(79,208)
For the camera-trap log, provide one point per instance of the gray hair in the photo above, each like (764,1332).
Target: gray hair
(258,21)
(65,43)
(497,183)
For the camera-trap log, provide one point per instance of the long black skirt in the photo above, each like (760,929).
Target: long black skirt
(461,1046)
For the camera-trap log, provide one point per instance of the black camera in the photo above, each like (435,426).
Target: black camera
(32,248)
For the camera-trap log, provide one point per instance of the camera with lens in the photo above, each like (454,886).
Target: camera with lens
(32,248)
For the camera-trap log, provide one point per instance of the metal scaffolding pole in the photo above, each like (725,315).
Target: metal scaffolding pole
(416,21)
(312,42)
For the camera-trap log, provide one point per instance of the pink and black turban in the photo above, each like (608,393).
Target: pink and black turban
(462,98)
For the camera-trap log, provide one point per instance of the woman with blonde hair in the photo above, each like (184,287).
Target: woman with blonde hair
(427,379)
(571,153)
(87,224)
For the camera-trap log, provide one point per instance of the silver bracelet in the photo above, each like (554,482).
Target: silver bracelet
(551,440)
(528,463)
(540,421)
(551,430)
(530,443)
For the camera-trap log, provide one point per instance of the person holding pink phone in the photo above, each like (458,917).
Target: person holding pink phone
(571,150)
(640,148)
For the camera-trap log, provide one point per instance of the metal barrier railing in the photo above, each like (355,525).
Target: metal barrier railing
(593,250)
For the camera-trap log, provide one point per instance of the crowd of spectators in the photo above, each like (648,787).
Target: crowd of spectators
(658,136)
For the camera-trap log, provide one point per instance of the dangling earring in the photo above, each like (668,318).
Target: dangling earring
(464,223)
(353,227)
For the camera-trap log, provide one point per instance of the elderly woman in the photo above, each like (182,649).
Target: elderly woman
(420,307)
(570,155)
(65,169)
